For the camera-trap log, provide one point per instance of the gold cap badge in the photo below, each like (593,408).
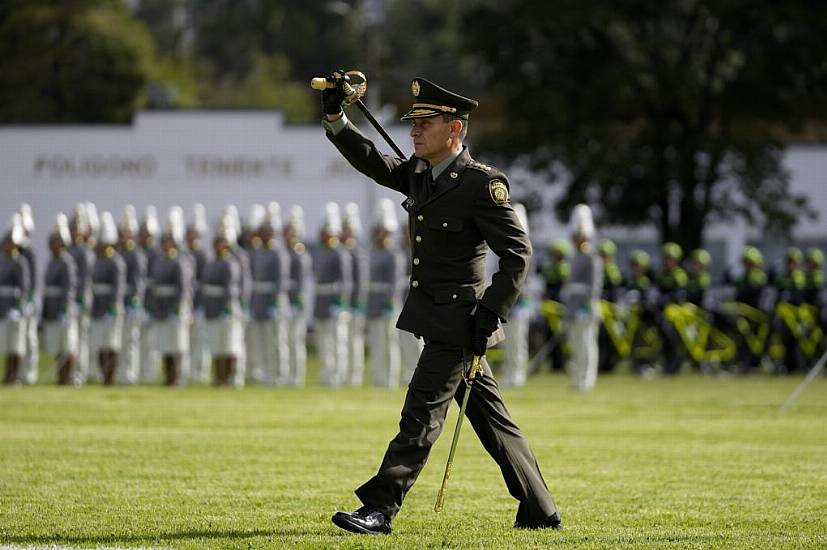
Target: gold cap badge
(415,88)
(498,191)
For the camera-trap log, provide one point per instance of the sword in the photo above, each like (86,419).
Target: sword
(355,86)
(469,381)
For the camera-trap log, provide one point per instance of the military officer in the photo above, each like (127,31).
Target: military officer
(171,291)
(250,244)
(671,283)
(199,350)
(242,255)
(351,233)
(639,277)
(148,240)
(612,291)
(301,270)
(333,273)
(791,281)
(581,293)
(385,287)
(814,272)
(59,312)
(270,264)
(14,292)
(135,261)
(108,291)
(84,257)
(515,347)
(221,301)
(456,207)
(28,372)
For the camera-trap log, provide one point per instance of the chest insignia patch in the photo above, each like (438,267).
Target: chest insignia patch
(498,191)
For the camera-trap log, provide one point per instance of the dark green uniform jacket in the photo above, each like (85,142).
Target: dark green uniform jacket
(450,225)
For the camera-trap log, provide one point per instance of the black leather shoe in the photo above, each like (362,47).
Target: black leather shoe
(551,522)
(365,521)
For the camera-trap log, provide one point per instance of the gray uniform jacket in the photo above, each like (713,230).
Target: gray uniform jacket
(135,261)
(221,288)
(59,283)
(333,272)
(243,259)
(301,268)
(387,281)
(84,258)
(108,285)
(452,222)
(150,254)
(28,253)
(271,273)
(14,283)
(361,275)
(584,287)
(171,289)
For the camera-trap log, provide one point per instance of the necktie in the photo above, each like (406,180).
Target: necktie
(428,184)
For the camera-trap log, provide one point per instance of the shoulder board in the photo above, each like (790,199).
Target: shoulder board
(484,168)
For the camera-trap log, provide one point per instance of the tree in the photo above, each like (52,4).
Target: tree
(71,61)
(664,113)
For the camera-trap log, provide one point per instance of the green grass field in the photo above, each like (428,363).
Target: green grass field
(688,462)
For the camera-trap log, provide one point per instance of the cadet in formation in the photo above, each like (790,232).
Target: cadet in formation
(129,363)
(199,349)
(171,290)
(384,301)
(270,265)
(333,273)
(59,311)
(580,294)
(29,368)
(301,269)
(148,240)
(14,292)
(456,206)
(351,235)
(84,258)
(612,293)
(221,303)
(108,290)
(515,346)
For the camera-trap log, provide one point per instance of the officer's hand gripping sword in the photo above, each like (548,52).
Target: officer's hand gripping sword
(469,381)
(355,85)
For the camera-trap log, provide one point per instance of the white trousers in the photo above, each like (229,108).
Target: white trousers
(356,357)
(297,348)
(129,360)
(29,367)
(82,370)
(411,348)
(515,348)
(385,356)
(267,350)
(583,340)
(200,358)
(334,349)
(149,357)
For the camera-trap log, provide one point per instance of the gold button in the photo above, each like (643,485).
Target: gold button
(418,238)
(444,224)
(420,217)
(416,261)
(454,175)
(414,284)
(453,296)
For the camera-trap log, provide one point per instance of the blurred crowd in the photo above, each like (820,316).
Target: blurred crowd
(144,299)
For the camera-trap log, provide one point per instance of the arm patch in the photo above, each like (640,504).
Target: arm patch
(498,191)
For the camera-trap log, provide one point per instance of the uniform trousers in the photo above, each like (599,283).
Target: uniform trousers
(584,352)
(200,358)
(129,361)
(83,370)
(385,356)
(297,344)
(356,358)
(28,372)
(437,380)
(333,347)
(267,350)
(60,337)
(150,359)
(515,348)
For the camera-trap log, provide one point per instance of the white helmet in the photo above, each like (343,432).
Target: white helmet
(175,228)
(80,221)
(581,222)
(94,220)
(151,224)
(61,229)
(129,221)
(226,230)
(273,220)
(199,219)
(351,219)
(15,232)
(385,215)
(26,217)
(257,216)
(332,220)
(108,229)
(296,220)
